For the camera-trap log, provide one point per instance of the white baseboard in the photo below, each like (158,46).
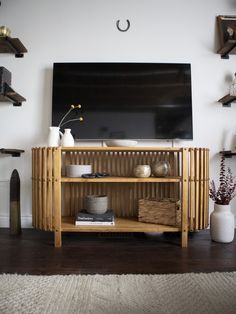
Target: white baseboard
(26,222)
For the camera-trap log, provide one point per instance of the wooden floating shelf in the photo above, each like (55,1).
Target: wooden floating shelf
(12,45)
(228,153)
(12,152)
(122,180)
(226,100)
(121,225)
(229,47)
(12,97)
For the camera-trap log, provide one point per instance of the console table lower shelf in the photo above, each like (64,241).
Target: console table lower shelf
(130,224)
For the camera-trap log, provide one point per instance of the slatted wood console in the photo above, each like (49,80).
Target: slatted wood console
(56,198)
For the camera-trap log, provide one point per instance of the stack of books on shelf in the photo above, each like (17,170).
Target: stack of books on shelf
(85,219)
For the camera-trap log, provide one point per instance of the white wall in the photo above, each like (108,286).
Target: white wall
(85,30)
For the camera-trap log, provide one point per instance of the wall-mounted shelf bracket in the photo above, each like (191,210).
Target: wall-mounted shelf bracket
(227,48)
(10,95)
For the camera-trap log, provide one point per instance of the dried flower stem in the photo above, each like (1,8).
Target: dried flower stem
(227,187)
(72,107)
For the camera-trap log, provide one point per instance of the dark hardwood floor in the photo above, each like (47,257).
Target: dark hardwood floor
(33,253)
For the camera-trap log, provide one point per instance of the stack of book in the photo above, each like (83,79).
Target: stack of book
(85,219)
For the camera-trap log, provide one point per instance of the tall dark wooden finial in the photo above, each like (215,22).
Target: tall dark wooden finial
(15,216)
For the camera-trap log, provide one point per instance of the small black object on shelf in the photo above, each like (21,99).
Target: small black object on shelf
(12,152)
(95,175)
(12,45)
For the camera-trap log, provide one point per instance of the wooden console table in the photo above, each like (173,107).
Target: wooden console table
(57,198)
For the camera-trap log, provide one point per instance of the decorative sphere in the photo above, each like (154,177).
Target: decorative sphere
(142,171)
(161,168)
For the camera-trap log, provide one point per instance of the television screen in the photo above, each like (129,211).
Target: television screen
(124,100)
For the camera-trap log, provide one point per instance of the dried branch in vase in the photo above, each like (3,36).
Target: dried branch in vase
(227,187)
(76,108)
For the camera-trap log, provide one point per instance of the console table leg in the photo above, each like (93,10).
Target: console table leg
(185,183)
(184,238)
(57,196)
(57,238)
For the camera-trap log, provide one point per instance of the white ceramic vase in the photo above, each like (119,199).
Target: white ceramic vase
(67,139)
(222,224)
(54,136)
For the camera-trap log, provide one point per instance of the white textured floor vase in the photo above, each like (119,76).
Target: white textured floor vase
(222,224)
(119,294)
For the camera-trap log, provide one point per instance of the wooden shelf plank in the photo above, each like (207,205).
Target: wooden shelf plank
(12,45)
(123,149)
(12,152)
(129,224)
(228,153)
(121,180)
(226,100)
(12,97)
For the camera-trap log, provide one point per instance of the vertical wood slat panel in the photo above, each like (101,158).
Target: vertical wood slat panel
(196,188)
(49,191)
(57,196)
(201,200)
(192,190)
(206,191)
(177,173)
(44,188)
(37,187)
(207,186)
(172,171)
(35,195)
(206,207)
(37,182)
(40,216)
(184,198)
(203,183)
(34,210)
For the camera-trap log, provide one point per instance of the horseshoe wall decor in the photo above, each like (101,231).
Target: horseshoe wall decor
(123,29)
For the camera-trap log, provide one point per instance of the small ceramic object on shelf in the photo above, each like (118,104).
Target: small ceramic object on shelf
(142,171)
(54,136)
(232,89)
(161,168)
(75,171)
(121,143)
(229,140)
(222,224)
(4,31)
(67,139)
(96,204)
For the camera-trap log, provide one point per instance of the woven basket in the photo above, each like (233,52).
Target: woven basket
(164,212)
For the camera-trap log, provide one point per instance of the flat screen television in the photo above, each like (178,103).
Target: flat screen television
(125,100)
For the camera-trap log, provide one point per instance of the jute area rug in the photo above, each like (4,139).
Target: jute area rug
(178,293)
